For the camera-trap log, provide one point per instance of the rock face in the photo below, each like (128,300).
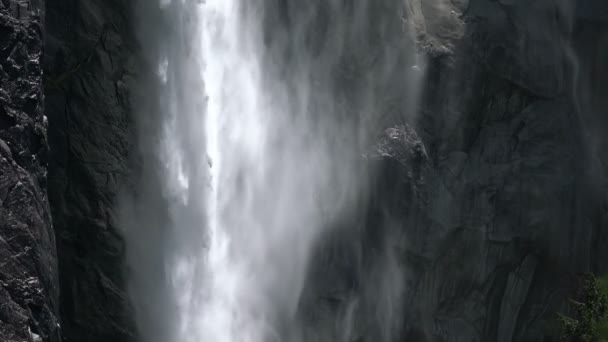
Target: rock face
(485,232)
(28,264)
(515,191)
(88,60)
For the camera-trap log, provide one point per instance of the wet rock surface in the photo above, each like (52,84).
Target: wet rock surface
(486,235)
(88,62)
(28,264)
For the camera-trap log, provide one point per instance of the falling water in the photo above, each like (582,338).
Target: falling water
(238,180)
(247,155)
(262,211)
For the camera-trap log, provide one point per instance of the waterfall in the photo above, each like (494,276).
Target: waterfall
(261,207)
(241,174)
(252,121)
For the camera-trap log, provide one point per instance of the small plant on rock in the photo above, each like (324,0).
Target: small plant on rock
(590,320)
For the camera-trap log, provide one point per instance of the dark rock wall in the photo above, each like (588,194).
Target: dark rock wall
(516,191)
(28,265)
(485,234)
(88,61)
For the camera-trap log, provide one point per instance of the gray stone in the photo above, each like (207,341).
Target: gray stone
(29,290)
(89,46)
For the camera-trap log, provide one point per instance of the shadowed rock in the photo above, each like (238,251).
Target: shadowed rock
(28,265)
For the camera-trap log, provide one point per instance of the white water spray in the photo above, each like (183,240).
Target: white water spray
(251,132)
(220,236)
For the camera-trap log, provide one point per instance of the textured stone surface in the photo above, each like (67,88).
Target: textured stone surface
(88,53)
(488,231)
(515,193)
(28,265)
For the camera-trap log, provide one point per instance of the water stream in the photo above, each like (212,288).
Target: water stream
(248,156)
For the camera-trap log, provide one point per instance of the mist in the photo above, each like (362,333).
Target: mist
(249,152)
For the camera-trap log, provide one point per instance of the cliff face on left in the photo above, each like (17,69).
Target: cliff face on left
(28,263)
(88,61)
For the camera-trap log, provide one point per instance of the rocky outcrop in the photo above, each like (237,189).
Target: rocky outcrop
(88,61)
(28,265)
(487,229)
(515,197)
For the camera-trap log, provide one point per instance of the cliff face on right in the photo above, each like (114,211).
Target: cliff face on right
(490,201)
(515,198)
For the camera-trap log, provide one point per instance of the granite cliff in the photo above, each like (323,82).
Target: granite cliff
(28,263)
(491,200)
